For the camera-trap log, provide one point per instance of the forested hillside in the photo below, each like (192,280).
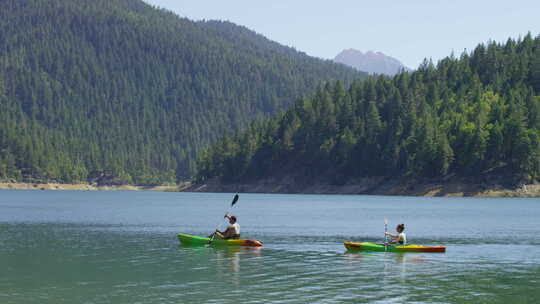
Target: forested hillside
(116,91)
(465,116)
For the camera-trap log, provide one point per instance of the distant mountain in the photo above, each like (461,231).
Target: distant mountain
(117,91)
(371,62)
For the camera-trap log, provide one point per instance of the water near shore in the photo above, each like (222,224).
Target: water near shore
(120,247)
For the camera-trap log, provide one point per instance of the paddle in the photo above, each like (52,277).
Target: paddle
(385,235)
(235,199)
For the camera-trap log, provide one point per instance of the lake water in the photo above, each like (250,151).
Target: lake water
(121,247)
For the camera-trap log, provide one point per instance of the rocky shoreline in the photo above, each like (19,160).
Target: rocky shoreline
(369,186)
(374,186)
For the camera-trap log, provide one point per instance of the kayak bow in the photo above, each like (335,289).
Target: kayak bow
(368,246)
(198,240)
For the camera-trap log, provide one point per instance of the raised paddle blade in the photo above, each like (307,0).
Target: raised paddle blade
(235,199)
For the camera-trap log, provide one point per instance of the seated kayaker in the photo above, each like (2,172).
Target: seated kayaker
(232,232)
(399,238)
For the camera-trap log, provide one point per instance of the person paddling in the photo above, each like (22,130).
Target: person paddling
(399,238)
(232,232)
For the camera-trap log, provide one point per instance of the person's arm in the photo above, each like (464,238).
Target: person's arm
(392,235)
(227,232)
(224,232)
(395,238)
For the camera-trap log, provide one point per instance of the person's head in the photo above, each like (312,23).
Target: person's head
(232,219)
(400,228)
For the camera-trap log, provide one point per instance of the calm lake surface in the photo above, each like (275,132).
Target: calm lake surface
(121,247)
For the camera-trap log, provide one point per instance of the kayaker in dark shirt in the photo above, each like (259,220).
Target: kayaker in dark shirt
(232,232)
(399,238)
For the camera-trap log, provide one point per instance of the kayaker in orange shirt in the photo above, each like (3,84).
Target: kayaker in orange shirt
(399,238)
(232,232)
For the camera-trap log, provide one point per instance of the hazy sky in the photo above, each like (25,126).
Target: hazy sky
(408,30)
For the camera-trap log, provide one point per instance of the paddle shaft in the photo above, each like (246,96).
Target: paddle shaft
(385,234)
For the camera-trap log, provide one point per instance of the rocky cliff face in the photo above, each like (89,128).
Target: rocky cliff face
(371,62)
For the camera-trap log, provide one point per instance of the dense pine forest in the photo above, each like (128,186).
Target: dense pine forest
(117,91)
(465,116)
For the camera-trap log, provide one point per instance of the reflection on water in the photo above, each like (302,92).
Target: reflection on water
(226,260)
(389,264)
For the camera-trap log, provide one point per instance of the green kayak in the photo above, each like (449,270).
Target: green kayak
(187,239)
(367,246)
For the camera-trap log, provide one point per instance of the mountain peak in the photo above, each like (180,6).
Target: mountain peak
(373,62)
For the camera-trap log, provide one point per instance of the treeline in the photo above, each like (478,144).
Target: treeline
(464,116)
(117,91)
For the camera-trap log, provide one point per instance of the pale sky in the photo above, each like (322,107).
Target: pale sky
(407,30)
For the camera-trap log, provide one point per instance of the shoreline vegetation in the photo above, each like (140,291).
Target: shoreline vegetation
(366,186)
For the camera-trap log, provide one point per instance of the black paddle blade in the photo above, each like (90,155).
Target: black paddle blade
(235,199)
